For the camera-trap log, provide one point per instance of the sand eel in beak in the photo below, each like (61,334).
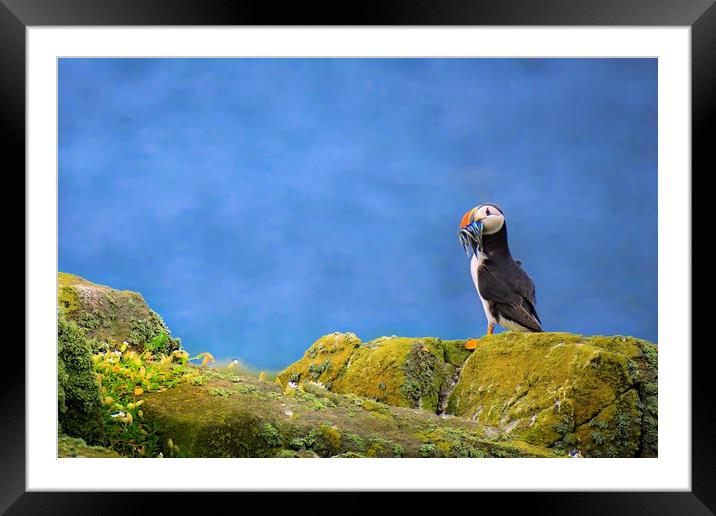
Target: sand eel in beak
(506,291)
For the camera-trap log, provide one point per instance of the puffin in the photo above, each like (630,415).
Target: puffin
(506,291)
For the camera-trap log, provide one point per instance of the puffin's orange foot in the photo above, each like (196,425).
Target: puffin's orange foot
(471,344)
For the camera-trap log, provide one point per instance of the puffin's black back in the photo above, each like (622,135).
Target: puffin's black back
(505,284)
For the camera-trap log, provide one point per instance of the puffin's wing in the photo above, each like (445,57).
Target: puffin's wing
(527,287)
(512,292)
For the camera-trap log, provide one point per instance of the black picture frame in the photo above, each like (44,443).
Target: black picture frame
(700,15)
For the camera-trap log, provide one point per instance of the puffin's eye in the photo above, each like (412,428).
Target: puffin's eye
(487,211)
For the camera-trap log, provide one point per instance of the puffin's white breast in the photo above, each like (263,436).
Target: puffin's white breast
(475,262)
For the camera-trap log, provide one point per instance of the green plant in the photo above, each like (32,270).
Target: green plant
(144,331)
(597,437)
(601,425)
(219,391)
(271,435)
(356,441)
(427,450)
(246,389)
(160,343)
(304,443)
(124,376)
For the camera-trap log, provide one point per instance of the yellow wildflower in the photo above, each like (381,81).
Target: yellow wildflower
(208,357)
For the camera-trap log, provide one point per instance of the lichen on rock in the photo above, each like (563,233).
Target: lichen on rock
(324,361)
(110,315)
(593,394)
(399,371)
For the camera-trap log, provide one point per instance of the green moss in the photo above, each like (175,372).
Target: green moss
(398,371)
(78,391)
(323,361)
(536,393)
(318,402)
(286,454)
(317,391)
(648,395)
(548,427)
(324,440)
(453,442)
(349,455)
(76,447)
(378,447)
(465,450)
(89,321)
(545,387)
(67,299)
(516,448)
(376,371)
(265,422)
(331,437)
(373,406)
(316,370)
(455,352)
(615,431)
(649,352)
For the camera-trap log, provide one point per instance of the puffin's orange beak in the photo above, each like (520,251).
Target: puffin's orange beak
(470,233)
(467,218)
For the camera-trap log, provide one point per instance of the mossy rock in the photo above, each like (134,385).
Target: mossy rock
(324,361)
(596,395)
(76,447)
(113,316)
(79,409)
(252,418)
(399,371)
(516,395)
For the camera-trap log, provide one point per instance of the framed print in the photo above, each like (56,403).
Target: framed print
(251,237)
